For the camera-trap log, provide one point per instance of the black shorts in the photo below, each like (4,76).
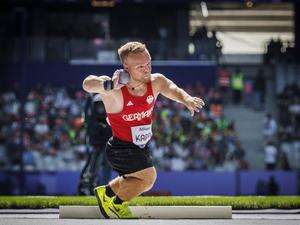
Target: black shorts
(126,157)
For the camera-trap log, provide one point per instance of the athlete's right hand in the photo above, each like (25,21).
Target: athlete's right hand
(94,84)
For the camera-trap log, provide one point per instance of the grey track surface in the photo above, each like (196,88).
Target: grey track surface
(50,217)
(19,221)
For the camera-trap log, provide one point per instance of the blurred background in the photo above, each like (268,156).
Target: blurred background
(242,57)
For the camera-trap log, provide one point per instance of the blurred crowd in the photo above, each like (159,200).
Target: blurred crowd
(202,45)
(281,129)
(237,87)
(206,45)
(53,136)
(207,141)
(54,133)
(278,50)
(282,134)
(289,123)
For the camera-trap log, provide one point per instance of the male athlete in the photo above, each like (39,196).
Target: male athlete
(129,111)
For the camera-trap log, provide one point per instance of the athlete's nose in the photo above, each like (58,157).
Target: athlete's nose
(147,69)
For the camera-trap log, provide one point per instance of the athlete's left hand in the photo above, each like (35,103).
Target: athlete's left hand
(115,79)
(194,104)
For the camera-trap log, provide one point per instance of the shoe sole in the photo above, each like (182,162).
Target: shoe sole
(100,205)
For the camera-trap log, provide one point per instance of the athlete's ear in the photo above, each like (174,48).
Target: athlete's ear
(125,66)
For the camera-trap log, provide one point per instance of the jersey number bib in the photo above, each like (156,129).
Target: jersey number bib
(141,134)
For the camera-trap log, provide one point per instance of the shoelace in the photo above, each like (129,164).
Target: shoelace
(124,211)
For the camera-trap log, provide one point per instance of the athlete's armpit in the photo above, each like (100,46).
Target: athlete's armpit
(169,89)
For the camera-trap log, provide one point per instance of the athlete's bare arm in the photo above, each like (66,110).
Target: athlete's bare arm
(94,84)
(112,99)
(169,89)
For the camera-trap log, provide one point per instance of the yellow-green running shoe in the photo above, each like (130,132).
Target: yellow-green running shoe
(121,211)
(103,202)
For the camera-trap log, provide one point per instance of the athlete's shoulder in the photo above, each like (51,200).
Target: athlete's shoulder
(157,77)
(158,81)
(154,76)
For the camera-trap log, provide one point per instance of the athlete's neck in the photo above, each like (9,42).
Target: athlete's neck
(136,85)
(139,89)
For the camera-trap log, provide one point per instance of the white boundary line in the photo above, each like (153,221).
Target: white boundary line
(152,212)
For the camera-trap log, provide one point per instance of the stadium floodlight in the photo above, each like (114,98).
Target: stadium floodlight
(103,3)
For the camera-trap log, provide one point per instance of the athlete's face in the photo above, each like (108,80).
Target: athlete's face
(139,66)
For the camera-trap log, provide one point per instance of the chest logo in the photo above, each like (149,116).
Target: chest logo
(150,99)
(129,103)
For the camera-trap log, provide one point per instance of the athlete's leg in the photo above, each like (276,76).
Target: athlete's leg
(126,188)
(115,184)
(134,184)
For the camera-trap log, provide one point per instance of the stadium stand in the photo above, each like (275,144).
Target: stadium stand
(54,136)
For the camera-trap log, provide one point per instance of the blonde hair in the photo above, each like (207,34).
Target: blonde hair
(130,47)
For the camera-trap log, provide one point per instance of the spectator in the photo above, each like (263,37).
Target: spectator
(260,188)
(216,46)
(200,42)
(270,156)
(284,162)
(294,111)
(237,85)
(259,86)
(224,82)
(273,188)
(269,128)
(248,92)
(274,49)
(215,105)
